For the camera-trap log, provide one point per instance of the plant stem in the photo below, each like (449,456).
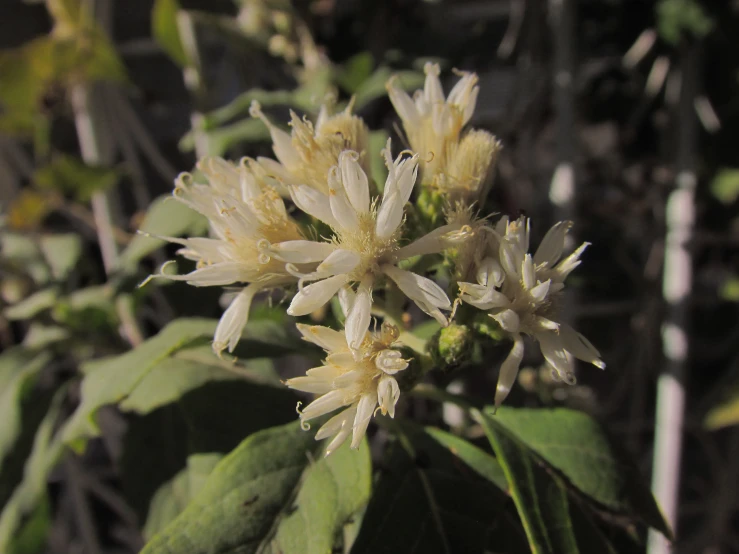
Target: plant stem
(88,125)
(676,287)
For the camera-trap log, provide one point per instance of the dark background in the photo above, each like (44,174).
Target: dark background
(622,140)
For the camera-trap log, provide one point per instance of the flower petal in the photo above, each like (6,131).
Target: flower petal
(508,320)
(554,352)
(358,319)
(404,106)
(310,383)
(390,362)
(343,212)
(431,243)
(552,245)
(302,251)
(314,296)
(389,215)
(509,370)
(339,262)
(323,405)
(365,409)
(416,287)
(388,393)
(232,322)
(355,181)
(313,203)
(579,346)
(326,338)
(340,421)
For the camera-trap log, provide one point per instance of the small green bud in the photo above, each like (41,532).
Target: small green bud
(431,207)
(452,346)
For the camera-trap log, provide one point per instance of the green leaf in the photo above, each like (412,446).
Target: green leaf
(41,336)
(377,142)
(18,371)
(46,452)
(675,18)
(479,460)
(268,496)
(166,217)
(725,414)
(374,86)
(21,253)
(62,252)
(165,32)
(575,444)
(541,499)
(355,71)
(221,139)
(31,537)
(111,380)
(427,499)
(239,106)
(186,370)
(725,186)
(32,305)
(173,496)
(730,289)
(70,175)
(91,308)
(214,417)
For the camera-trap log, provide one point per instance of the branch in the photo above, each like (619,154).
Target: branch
(676,289)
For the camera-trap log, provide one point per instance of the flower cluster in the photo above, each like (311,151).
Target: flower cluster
(521,293)
(257,243)
(358,378)
(459,165)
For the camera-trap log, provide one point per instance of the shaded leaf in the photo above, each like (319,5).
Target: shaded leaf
(70,175)
(61,252)
(428,500)
(45,454)
(90,308)
(110,380)
(22,407)
(165,32)
(165,217)
(214,417)
(576,445)
(173,496)
(479,460)
(541,499)
(32,305)
(189,369)
(268,496)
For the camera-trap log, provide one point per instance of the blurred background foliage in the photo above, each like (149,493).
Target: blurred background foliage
(103,102)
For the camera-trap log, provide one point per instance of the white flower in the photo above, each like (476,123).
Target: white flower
(306,155)
(365,243)
(245,217)
(521,293)
(357,383)
(432,123)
